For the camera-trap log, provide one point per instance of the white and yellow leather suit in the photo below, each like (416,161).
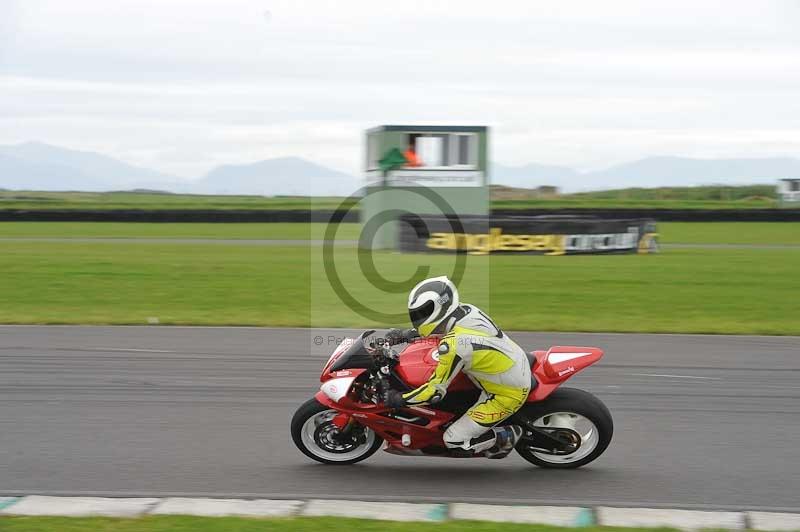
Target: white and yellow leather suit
(472,343)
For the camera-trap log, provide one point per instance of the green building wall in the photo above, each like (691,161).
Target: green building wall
(380,198)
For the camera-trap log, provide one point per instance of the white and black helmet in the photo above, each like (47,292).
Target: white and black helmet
(430,302)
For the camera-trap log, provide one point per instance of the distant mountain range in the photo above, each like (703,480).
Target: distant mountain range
(39,166)
(282,176)
(532,175)
(652,172)
(681,171)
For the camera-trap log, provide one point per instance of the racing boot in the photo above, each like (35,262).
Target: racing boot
(505,439)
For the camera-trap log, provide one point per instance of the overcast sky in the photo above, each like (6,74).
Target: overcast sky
(181,86)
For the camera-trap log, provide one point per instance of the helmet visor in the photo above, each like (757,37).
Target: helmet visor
(419,315)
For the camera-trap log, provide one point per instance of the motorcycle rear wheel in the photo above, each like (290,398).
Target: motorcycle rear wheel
(314,433)
(574,410)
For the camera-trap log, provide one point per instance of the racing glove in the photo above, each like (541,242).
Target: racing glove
(393,399)
(398,336)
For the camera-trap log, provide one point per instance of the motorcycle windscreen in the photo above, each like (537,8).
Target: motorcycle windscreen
(356,356)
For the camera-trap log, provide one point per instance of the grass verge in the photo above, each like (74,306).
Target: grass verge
(736,291)
(231,231)
(12,199)
(622,204)
(758,197)
(748,233)
(243,524)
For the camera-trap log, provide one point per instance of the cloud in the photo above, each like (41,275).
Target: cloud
(184,85)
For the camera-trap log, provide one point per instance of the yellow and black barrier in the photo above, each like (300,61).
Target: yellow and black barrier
(539,235)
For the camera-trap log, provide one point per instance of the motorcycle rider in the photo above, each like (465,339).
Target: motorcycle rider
(469,342)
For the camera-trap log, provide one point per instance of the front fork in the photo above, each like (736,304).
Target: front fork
(345,423)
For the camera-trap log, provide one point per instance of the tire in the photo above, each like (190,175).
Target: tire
(567,401)
(306,442)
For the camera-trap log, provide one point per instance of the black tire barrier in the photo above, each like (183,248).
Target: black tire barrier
(538,235)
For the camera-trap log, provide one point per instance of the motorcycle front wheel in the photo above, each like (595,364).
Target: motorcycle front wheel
(570,415)
(315,434)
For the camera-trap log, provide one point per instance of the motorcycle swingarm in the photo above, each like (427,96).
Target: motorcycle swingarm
(551,441)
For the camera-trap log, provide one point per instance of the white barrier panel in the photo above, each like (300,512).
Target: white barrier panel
(681,519)
(390,511)
(543,515)
(80,506)
(227,507)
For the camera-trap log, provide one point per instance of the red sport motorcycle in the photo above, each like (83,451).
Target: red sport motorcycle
(346,421)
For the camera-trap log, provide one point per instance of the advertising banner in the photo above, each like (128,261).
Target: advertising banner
(540,235)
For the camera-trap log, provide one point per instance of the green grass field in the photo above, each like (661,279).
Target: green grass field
(236,231)
(665,198)
(578,202)
(141,200)
(704,197)
(735,291)
(241,524)
(749,233)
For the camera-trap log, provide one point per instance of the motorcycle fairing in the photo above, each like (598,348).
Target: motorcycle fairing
(392,429)
(418,361)
(558,364)
(350,353)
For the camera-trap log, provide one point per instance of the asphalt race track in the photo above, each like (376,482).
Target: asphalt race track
(701,421)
